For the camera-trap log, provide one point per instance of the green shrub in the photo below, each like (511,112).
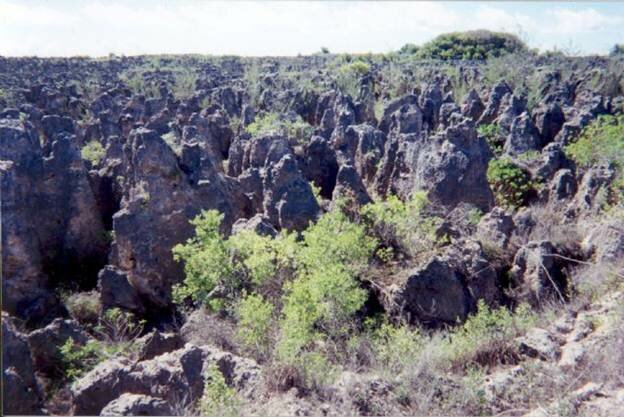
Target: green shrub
(493,136)
(348,77)
(218,399)
(473,45)
(77,360)
(255,323)
(218,269)
(510,184)
(325,294)
(402,225)
(315,370)
(409,49)
(297,130)
(485,338)
(117,326)
(93,152)
(396,347)
(206,262)
(84,307)
(602,142)
(316,277)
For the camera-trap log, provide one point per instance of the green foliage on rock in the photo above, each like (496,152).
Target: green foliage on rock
(77,360)
(486,335)
(206,262)
(93,152)
(403,225)
(617,50)
(602,142)
(316,276)
(348,77)
(297,130)
(326,293)
(493,136)
(510,184)
(218,398)
(255,315)
(473,45)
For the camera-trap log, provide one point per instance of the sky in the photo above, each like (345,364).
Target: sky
(100,27)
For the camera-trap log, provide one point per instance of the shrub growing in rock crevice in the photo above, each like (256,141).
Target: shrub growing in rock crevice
(511,185)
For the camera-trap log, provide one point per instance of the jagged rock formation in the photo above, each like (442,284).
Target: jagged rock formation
(99,185)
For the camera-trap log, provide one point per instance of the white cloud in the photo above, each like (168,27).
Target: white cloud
(573,21)
(97,27)
(18,14)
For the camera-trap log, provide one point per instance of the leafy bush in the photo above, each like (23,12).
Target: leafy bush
(78,360)
(317,276)
(118,326)
(493,136)
(254,324)
(326,294)
(206,262)
(84,307)
(475,45)
(395,347)
(485,337)
(402,225)
(510,184)
(218,269)
(348,77)
(297,130)
(409,49)
(218,399)
(93,152)
(602,142)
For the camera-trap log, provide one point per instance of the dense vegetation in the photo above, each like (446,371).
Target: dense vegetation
(471,45)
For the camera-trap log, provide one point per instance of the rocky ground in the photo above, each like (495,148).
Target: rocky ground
(104,162)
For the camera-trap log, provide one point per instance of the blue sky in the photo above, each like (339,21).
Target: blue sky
(98,27)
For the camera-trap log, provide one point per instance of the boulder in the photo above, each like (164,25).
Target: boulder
(539,343)
(288,198)
(320,165)
(472,106)
(258,224)
(137,405)
(494,102)
(445,288)
(174,376)
(349,185)
(156,343)
(548,120)
(432,294)
(523,136)
(496,227)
